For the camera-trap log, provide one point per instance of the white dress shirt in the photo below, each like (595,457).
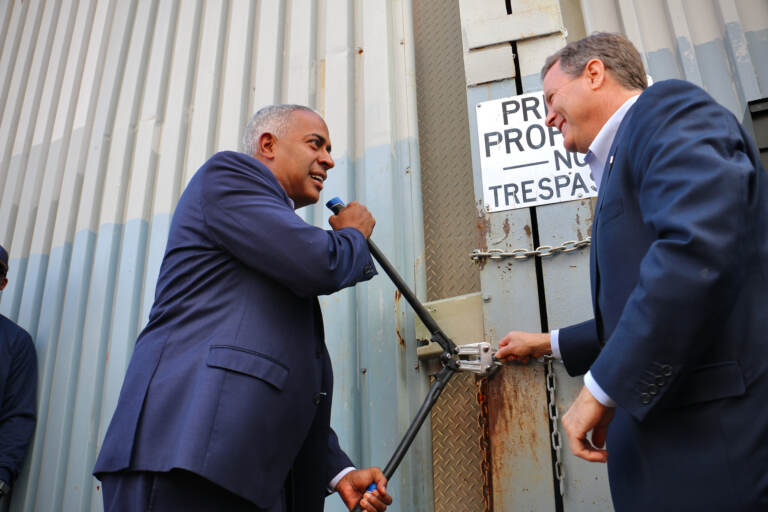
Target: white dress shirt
(597,156)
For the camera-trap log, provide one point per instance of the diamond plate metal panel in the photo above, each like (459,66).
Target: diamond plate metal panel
(456,453)
(446,166)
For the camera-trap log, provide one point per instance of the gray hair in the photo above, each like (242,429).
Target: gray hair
(617,53)
(272,119)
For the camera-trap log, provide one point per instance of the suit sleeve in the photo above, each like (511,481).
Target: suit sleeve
(17,414)
(579,347)
(250,218)
(337,459)
(692,179)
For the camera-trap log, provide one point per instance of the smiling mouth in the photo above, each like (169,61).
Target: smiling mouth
(318,178)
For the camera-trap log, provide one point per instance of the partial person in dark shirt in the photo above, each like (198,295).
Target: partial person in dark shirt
(18,389)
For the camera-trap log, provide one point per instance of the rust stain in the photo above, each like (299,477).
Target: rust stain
(484,229)
(527,229)
(517,418)
(359,51)
(579,234)
(591,218)
(400,338)
(398,296)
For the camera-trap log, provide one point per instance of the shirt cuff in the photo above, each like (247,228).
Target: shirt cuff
(341,474)
(554,343)
(597,391)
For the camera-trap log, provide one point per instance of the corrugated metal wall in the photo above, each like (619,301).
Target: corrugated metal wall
(720,45)
(107,107)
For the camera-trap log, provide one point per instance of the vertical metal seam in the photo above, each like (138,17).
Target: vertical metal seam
(218,73)
(13,53)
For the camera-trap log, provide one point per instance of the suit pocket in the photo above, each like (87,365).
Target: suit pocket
(707,383)
(250,363)
(611,210)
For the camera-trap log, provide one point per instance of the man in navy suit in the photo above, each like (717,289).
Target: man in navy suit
(226,402)
(676,356)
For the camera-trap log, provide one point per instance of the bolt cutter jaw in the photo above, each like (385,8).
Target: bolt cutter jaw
(477,358)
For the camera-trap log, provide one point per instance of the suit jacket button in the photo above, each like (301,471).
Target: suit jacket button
(367,270)
(660,381)
(666,370)
(652,390)
(645,399)
(319,397)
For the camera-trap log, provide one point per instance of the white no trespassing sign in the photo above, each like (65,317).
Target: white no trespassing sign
(522,160)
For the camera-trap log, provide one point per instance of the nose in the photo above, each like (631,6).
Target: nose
(551,116)
(326,160)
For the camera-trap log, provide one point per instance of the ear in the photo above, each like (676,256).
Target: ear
(3,283)
(267,143)
(595,73)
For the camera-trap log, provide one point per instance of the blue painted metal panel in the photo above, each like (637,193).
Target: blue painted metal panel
(68,348)
(89,373)
(757,42)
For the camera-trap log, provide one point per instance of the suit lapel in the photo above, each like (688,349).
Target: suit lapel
(593,272)
(616,145)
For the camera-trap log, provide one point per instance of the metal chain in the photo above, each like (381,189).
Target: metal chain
(485,441)
(553,418)
(521,254)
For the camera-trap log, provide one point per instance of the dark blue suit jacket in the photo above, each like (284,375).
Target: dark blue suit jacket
(18,397)
(226,378)
(679,272)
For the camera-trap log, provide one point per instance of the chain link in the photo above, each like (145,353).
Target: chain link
(485,441)
(543,251)
(553,418)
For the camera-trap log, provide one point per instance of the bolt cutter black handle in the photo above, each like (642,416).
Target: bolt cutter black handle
(449,349)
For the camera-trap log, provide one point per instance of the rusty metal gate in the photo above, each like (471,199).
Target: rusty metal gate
(497,445)
(491,442)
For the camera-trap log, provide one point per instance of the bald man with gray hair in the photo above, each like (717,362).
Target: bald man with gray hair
(226,403)
(272,119)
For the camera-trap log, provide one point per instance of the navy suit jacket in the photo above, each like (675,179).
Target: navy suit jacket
(679,276)
(18,392)
(227,378)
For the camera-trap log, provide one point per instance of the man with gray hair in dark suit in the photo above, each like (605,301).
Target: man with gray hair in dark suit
(226,403)
(675,359)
